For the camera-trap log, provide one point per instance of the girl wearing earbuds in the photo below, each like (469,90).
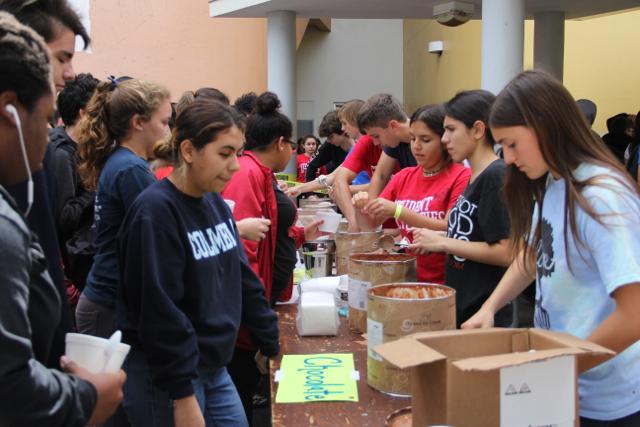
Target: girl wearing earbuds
(123,121)
(32,394)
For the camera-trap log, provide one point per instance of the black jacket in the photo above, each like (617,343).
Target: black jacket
(72,203)
(31,394)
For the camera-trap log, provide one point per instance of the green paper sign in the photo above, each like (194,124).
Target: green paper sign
(317,377)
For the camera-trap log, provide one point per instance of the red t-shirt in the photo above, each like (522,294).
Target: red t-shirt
(429,196)
(363,157)
(303,162)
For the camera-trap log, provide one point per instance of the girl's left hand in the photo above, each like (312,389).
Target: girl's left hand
(381,208)
(312,231)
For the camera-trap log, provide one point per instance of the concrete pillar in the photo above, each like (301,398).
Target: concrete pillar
(281,65)
(548,43)
(502,42)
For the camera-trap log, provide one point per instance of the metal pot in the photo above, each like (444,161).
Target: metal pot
(318,257)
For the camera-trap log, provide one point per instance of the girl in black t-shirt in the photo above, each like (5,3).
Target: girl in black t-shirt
(478,228)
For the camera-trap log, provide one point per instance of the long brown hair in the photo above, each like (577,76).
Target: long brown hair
(538,101)
(108,120)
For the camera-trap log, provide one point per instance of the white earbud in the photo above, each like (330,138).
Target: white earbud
(11,109)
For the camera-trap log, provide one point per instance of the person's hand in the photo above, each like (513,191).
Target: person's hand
(425,241)
(253,228)
(380,208)
(353,227)
(293,191)
(108,389)
(360,200)
(482,319)
(283,186)
(187,412)
(312,231)
(262,362)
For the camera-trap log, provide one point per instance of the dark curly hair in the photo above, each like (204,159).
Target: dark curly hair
(24,62)
(246,103)
(75,96)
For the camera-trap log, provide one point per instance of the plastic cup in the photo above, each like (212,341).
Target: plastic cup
(230,203)
(89,353)
(331,221)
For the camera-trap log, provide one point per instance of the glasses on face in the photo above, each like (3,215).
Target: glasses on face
(294,145)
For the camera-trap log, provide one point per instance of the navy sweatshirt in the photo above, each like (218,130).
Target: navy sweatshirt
(186,286)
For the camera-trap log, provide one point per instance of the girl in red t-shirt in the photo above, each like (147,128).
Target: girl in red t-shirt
(307,148)
(421,196)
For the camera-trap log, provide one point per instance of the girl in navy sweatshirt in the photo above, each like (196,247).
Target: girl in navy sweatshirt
(186,283)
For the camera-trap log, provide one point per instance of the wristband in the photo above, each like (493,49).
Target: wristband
(398,211)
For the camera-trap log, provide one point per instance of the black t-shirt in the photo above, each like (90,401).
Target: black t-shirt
(479,215)
(402,153)
(285,256)
(327,153)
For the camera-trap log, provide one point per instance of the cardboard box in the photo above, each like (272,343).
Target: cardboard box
(492,377)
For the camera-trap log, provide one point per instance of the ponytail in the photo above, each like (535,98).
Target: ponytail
(107,121)
(95,145)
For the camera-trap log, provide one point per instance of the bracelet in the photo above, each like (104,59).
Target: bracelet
(322,179)
(398,211)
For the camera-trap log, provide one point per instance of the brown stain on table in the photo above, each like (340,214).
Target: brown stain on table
(372,407)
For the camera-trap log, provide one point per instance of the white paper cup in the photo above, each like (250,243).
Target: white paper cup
(88,352)
(230,203)
(331,221)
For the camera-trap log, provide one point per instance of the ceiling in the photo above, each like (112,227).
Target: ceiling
(401,9)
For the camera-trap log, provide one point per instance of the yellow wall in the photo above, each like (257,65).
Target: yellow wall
(176,43)
(431,78)
(599,62)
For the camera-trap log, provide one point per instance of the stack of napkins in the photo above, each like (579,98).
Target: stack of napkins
(320,284)
(317,314)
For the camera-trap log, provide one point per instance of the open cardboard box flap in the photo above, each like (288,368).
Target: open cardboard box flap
(570,340)
(408,353)
(413,350)
(489,363)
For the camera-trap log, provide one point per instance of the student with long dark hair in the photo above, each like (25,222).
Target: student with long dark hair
(308,146)
(421,196)
(575,214)
(31,394)
(478,225)
(186,282)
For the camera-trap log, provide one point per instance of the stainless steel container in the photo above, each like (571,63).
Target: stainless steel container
(318,257)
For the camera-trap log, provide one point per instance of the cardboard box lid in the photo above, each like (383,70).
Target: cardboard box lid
(407,353)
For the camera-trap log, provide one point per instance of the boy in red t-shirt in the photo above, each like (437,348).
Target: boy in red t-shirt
(421,196)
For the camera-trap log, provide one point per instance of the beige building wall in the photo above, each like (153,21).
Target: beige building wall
(176,43)
(599,62)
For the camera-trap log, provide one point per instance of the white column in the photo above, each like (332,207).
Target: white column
(281,65)
(548,43)
(502,42)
